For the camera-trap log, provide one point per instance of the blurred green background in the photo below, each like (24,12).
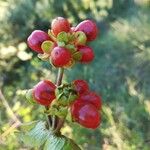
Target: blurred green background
(120,71)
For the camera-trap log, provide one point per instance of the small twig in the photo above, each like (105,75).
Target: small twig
(9,130)
(12,115)
(8,108)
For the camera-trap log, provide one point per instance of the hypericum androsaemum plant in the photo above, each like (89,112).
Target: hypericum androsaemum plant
(63,46)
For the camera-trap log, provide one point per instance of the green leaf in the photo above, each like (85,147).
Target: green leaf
(71,48)
(27,126)
(29,96)
(47,46)
(62,37)
(80,38)
(60,143)
(71,145)
(37,136)
(61,44)
(71,37)
(77,56)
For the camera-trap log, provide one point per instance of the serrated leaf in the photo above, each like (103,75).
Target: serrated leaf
(71,145)
(25,127)
(37,136)
(47,46)
(62,37)
(60,143)
(77,56)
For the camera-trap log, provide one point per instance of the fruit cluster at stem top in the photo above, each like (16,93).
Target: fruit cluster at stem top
(64,45)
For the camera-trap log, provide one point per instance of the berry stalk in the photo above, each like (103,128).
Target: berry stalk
(58,122)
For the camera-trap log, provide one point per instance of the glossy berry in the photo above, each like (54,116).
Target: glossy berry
(81,86)
(44,92)
(85,114)
(92,98)
(87,54)
(89,28)
(60,24)
(35,40)
(60,56)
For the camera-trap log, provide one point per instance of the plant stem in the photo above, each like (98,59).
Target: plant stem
(59,76)
(57,122)
(52,119)
(49,120)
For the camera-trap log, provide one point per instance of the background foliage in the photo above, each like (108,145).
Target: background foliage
(120,71)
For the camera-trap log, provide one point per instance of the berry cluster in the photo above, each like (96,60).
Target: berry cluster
(64,45)
(85,109)
(84,105)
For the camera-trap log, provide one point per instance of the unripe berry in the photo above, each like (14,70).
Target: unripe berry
(89,28)
(87,54)
(35,40)
(44,92)
(60,56)
(92,98)
(81,86)
(85,114)
(60,24)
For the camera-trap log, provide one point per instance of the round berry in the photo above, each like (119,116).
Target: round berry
(89,28)
(35,40)
(44,92)
(92,98)
(60,24)
(85,114)
(60,56)
(81,86)
(87,54)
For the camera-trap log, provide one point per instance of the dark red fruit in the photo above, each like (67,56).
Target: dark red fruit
(85,114)
(44,92)
(60,24)
(35,40)
(92,98)
(60,56)
(81,86)
(89,28)
(87,54)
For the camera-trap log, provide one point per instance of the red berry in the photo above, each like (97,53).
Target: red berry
(92,98)
(87,54)
(35,40)
(81,86)
(60,56)
(44,92)
(60,24)
(89,28)
(85,114)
